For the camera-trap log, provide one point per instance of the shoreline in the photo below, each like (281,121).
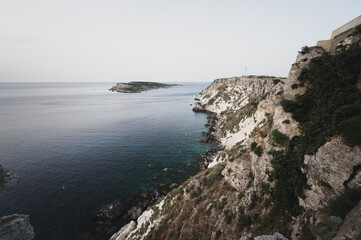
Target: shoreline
(142,201)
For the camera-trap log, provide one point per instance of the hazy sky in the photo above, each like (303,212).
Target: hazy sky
(195,40)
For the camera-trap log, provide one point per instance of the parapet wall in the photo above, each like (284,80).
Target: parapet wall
(351,24)
(339,33)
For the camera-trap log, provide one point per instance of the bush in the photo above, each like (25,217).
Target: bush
(279,93)
(218,234)
(228,216)
(306,234)
(287,121)
(294,86)
(253,146)
(289,180)
(243,221)
(194,194)
(258,150)
(343,203)
(221,203)
(211,174)
(279,138)
(275,81)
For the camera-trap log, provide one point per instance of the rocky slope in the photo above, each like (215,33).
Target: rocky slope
(290,167)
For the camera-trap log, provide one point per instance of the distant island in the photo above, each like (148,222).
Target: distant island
(137,87)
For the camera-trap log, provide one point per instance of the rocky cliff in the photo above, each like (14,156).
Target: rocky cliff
(290,167)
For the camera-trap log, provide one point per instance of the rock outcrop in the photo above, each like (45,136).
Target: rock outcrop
(16,227)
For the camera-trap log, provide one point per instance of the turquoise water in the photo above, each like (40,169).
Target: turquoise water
(76,146)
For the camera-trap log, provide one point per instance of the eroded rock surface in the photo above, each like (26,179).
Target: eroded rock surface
(16,227)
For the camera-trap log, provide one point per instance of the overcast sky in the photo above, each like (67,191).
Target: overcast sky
(185,40)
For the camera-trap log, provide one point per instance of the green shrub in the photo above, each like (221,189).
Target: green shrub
(289,181)
(194,194)
(240,195)
(243,221)
(279,93)
(351,130)
(326,184)
(279,138)
(258,150)
(218,234)
(228,216)
(253,146)
(343,203)
(306,234)
(287,121)
(294,86)
(221,203)
(275,81)
(211,174)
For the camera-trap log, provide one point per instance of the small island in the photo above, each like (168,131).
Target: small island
(137,87)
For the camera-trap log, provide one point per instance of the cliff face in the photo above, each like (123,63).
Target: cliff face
(286,166)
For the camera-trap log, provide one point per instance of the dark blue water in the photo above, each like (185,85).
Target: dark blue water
(76,146)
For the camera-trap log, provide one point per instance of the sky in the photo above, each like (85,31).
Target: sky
(160,40)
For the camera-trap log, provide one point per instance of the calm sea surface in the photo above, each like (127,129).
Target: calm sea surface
(76,146)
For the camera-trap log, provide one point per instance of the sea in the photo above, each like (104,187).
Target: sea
(76,146)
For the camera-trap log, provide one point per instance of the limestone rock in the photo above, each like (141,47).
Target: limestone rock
(134,213)
(124,231)
(16,227)
(276,236)
(327,170)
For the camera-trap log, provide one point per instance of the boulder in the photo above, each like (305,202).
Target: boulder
(110,211)
(16,227)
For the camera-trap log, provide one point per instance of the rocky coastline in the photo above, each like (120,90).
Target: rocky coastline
(108,218)
(272,179)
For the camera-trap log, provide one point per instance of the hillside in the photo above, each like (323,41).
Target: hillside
(290,166)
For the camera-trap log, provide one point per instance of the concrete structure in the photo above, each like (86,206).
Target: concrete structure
(338,34)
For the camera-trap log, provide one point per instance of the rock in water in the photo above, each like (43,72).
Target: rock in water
(7,179)
(110,211)
(134,213)
(16,227)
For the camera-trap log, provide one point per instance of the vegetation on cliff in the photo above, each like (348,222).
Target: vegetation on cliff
(331,105)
